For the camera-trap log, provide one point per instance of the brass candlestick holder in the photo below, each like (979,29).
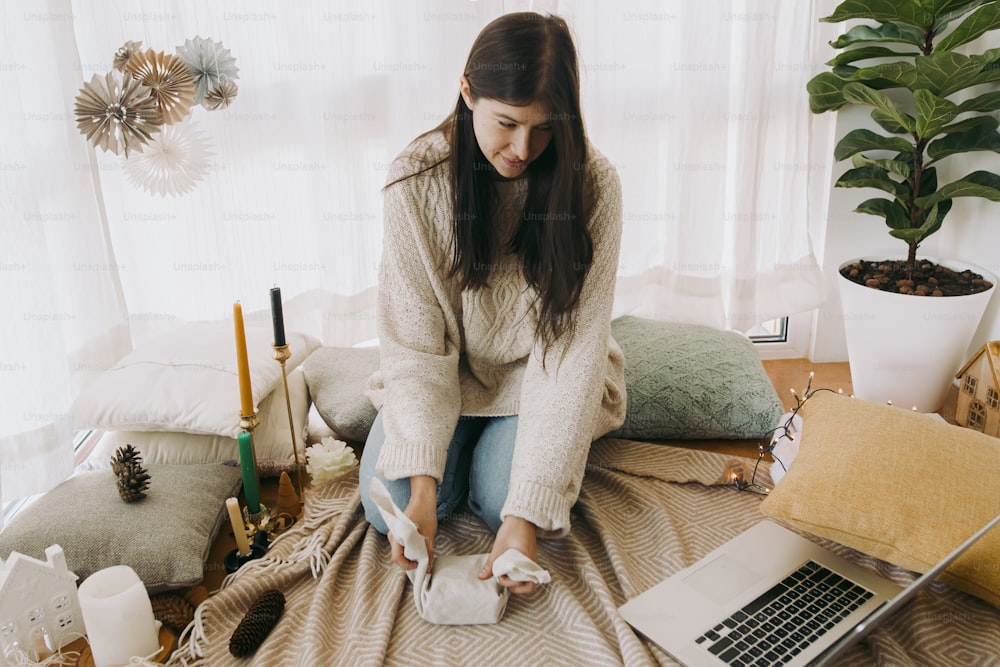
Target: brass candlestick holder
(282,354)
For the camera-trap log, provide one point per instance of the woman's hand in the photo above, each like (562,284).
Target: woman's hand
(514,533)
(422,510)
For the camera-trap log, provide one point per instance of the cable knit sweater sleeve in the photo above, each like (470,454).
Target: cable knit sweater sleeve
(418,330)
(561,400)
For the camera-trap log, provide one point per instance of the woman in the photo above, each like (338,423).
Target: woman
(498,368)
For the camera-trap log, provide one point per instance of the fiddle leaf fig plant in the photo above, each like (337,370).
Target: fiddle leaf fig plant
(930,101)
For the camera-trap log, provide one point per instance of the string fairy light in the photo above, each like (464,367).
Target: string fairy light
(785,430)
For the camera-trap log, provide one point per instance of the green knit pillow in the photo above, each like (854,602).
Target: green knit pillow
(693,382)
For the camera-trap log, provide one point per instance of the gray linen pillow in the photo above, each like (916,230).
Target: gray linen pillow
(336,377)
(693,382)
(165,537)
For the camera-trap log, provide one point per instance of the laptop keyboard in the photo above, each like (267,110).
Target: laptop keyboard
(782,622)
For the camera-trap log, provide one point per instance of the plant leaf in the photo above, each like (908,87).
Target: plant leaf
(938,7)
(860,140)
(887,123)
(933,218)
(868,52)
(862,94)
(891,209)
(928,182)
(946,11)
(939,72)
(989,122)
(980,138)
(886,32)
(826,92)
(933,113)
(985,102)
(872,177)
(983,20)
(901,11)
(892,166)
(850,73)
(899,73)
(931,223)
(947,72)
(990,62)
(983,184)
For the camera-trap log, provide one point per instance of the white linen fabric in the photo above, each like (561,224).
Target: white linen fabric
(452,593)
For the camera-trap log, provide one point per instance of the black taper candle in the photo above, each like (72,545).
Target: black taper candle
(277,318)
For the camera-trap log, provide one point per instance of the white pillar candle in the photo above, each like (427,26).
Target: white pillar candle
(118,616)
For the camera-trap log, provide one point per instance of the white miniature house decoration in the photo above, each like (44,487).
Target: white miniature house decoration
(39,606)
(978,403)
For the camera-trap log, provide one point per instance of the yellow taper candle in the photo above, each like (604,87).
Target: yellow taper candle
(242,363)
(239,530)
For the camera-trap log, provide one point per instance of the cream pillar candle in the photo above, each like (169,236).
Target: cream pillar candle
(239,530)
(118,616)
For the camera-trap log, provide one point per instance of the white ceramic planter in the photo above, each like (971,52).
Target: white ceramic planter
(907,349)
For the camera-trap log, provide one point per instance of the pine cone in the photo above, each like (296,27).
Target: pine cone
(173,610)
(124,456)
(258,622)
(133,480)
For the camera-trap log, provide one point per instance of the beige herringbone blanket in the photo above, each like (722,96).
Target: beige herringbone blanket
(645,511)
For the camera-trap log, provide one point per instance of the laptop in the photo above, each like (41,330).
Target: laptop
(770,597)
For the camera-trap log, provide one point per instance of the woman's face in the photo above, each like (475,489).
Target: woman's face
(510,137)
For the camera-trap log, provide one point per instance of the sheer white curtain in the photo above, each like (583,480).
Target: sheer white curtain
(701,107)
(64,317)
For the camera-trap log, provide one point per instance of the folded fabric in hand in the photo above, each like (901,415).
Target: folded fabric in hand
(452,593)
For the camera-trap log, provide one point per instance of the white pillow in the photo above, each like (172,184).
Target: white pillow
(272,439)
(186,380)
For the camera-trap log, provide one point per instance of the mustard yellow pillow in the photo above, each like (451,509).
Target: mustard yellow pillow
(901,486)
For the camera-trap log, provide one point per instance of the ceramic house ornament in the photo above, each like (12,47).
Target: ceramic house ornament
(39,607)
(978,404)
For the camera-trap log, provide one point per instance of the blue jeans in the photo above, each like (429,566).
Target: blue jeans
(477,469)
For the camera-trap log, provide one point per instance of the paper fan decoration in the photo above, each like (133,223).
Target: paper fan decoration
(169,81)
(209,63)
(123,54)
(116,113)
(173,162)
(221,96)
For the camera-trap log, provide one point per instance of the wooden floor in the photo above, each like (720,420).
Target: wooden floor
(788,374)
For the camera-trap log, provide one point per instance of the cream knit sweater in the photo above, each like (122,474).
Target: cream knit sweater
(447,352)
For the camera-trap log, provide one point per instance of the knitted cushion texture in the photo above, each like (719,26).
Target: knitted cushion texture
(693,382)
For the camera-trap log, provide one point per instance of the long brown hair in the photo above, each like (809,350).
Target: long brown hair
(518,59)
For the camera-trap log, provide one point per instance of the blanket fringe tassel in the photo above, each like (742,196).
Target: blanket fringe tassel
(189,652)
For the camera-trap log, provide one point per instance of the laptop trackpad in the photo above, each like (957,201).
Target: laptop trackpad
(722,579)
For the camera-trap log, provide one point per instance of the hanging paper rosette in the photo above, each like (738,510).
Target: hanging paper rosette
(169,81)
(123,54)
(221,96)
(116,113)
(210,63)
(173,162)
